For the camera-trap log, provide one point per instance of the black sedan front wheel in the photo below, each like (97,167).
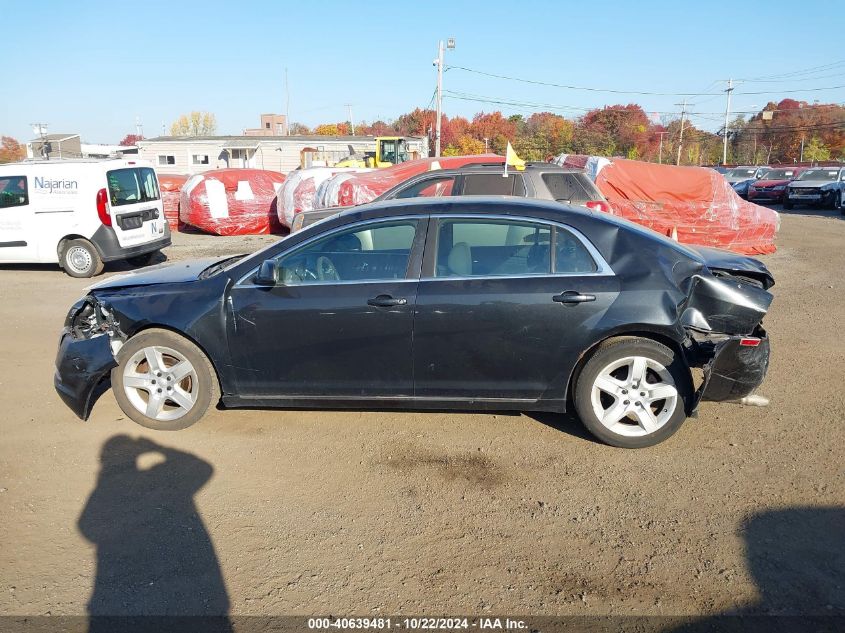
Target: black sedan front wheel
(633,392)
(163,381)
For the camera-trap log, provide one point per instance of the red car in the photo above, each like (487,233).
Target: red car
(772,186)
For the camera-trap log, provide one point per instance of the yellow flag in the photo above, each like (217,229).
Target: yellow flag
(512,159)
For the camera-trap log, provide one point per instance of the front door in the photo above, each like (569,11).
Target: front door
(339,325)
(504,308)
(17,240)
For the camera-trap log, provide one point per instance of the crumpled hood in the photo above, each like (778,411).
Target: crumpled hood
(167,273)
(717,259)
(811,183)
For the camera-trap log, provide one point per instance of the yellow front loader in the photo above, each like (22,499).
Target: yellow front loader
(390,150)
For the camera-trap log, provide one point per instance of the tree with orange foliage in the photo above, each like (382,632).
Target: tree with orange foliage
(10,150)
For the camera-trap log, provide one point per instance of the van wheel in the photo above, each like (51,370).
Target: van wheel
(142,260)
(79,258)
(633,392)
(163,381)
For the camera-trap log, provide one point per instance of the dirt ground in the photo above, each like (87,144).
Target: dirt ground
(338,512)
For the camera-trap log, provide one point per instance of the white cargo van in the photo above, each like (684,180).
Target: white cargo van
(80,213)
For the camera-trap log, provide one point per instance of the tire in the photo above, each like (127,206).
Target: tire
(80,259)
(837,200)
(143,260)
(614,369)
(194,386)
(786,203)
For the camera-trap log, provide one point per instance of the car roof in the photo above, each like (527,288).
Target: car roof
(497,205)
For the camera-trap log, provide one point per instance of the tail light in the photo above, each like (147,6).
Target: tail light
(749,341)
(103,207)
(598,205)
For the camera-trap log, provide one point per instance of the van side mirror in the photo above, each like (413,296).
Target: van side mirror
(268,273)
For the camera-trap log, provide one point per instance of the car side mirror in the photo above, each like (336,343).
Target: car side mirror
(268,273)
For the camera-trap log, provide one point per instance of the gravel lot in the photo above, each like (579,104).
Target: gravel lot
(305,512)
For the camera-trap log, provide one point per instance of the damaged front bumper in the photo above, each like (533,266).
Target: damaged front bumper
(87,347)
(737,367)
(81,366)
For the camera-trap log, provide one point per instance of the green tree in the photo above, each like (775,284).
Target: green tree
(815,150)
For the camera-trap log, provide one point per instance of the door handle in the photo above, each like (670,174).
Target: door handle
(571,297)
(386,301)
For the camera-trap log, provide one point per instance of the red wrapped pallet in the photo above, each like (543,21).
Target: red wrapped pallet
(171,190)
(362,188)
(232,201)
(695,204)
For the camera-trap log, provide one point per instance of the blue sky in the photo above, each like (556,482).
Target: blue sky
(99,65)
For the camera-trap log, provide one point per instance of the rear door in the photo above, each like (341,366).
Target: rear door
(16,241)
(135,205)
(498,311)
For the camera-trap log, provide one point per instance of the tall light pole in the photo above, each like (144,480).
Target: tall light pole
(351,122)
(729,90)
(450,44)
(287,104)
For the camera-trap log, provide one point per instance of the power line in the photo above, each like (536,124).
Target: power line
(552,106)
(631,92)
(790,75)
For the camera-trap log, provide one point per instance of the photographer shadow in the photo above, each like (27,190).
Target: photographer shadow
(155,558)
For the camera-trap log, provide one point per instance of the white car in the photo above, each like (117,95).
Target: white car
(80,213)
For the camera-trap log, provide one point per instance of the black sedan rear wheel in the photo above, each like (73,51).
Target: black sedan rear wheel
(163,381)
(633,392)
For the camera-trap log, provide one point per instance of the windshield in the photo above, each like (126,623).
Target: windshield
(827,175)
(741,173)
(132,185)
(780,174)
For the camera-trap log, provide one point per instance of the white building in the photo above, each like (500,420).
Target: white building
(195,154)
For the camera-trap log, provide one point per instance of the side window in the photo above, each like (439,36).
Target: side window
(470,248)
(132,185)
(166,160)
(429,188)
(13,192)
(371,253)
(571,256)
(568,187)
(493,184)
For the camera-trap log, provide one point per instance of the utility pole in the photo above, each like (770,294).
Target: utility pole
(729,90)
(801,160)
(486,144)
(41,130)
(351,122)
(139,127)
(450,44)
(660,151)
(287,104)
(681,135)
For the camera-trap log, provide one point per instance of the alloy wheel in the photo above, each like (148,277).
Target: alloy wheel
(160,383)
(634,396)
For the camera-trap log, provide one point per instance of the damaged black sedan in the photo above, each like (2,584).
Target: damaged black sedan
(456,303)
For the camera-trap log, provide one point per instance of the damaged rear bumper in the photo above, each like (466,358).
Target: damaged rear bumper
(738,367)
(81,366)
